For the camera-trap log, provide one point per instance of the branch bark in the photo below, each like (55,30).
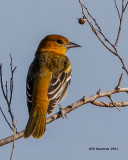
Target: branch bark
(68,109)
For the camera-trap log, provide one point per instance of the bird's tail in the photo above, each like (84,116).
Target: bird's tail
(36,124)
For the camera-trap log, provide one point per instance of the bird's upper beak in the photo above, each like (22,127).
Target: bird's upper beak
(72,45)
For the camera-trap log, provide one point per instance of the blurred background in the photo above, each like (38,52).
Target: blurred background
(23,25)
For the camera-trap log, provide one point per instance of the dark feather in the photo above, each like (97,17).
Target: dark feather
(57,90)
(29,91)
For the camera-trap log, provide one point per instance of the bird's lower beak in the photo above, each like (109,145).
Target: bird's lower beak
(72,45)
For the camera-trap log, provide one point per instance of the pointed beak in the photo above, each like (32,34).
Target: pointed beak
(72,45)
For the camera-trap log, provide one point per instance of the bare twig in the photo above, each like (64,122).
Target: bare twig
(113,46)
(117,9)
(107,104)
(1,81)
(122,4)
(120,25)
(126,6)
(114,104)
(122,60)
(94,30)
(11,92)
(5,92)
(13,147)
(99,91)
(85,100)
(119,83)
(6,119)
(6,88)
(11,80)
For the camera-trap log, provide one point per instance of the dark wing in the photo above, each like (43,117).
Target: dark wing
(29,87)
(29,91)
(58,88)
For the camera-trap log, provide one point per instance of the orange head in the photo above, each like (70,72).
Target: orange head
(56,43)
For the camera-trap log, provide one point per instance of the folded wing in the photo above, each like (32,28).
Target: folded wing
(58,88)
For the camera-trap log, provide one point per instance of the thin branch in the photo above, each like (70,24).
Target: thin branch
(6,88)
(13,147)
(120,26)
(122,5)
(100,30)
(1,81)
(11,80)
(5,92)
(11,92)
(107,104)
(114,46)
(117,9)
(121,20)
(94,30)
(126,6)
(114,104)
(68,109)
(121,60)
(119,83)
(6,119)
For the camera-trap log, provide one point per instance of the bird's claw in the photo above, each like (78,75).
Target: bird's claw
(62,111)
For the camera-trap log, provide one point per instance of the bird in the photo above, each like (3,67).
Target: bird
(48,79)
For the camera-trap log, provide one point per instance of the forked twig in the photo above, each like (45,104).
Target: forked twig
(97,29)
(13,147)
(7,98)
(114,104)
(119,83)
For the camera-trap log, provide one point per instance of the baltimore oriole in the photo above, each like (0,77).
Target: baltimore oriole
(48,79)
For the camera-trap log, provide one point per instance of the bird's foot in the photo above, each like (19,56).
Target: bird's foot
(61,108)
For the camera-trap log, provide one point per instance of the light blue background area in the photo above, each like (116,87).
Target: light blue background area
(22,26)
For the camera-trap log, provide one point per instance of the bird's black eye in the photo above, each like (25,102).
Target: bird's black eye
(59,41)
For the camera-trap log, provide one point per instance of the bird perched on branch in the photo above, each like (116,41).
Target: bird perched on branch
(48,79)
